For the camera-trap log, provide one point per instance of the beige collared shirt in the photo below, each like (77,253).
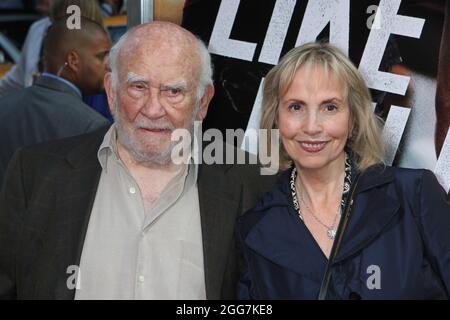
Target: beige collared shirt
(129,253)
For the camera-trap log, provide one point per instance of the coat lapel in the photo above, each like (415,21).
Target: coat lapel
(283,239)
(75,188)
(373,210)
(218,204)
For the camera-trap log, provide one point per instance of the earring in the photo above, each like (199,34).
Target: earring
(61,69)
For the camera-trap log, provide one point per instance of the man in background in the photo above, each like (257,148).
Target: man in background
(76,62)
(29,65)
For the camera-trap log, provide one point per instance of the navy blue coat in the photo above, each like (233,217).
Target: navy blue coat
(396,245)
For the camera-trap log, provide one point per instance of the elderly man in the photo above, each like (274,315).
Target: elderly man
(111,216)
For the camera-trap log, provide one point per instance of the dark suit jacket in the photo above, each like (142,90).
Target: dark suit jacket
(50,109)
(398,232)
(45,207)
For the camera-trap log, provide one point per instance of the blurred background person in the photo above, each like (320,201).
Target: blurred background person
(42,6)
(11,4)
(75,64)
(110,7)
(28,68)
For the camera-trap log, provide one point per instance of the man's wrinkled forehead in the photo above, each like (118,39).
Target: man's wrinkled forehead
(161,37)
(161,45)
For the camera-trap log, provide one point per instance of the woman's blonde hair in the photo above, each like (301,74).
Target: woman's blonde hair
(89,9)
(365,140)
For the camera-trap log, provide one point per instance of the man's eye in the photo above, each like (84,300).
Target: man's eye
(137,90)
(138,86)
(173,92)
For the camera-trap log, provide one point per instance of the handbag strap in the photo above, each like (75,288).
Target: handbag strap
(337,243)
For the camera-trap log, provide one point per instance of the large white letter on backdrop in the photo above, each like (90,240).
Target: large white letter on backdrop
(389,23)
(220,42)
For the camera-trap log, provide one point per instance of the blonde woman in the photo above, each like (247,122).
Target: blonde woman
(339,224)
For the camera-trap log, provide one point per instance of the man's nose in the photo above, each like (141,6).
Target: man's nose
(153,108)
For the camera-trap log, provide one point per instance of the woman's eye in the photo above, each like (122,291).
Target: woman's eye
(294,107)
(330,107)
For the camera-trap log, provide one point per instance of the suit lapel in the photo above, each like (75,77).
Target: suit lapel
(75,187)
(218,204)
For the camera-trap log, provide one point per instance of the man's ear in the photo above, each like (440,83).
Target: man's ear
(205,100)
(73,61)
(107,82)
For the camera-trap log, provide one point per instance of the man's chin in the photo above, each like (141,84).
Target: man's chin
(153,146)
(159,155)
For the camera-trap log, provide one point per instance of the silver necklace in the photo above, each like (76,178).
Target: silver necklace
(331,230)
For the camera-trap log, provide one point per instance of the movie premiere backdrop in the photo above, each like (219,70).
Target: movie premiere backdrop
(402,48)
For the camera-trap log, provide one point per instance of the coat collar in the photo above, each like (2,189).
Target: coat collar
(218,200)
(85,153)
(68,227)
(278,234)
(373,210)
(58,85)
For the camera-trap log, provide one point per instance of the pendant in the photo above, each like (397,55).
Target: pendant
(331,233)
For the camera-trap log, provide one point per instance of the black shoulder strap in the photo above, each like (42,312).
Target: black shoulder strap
(337,242)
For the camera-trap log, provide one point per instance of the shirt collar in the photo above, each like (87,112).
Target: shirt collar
(108,147)
(70,84)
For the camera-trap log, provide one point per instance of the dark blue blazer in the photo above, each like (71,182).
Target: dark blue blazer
(396,245)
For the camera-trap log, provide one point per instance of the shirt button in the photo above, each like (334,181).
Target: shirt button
(141,278)
(132,190)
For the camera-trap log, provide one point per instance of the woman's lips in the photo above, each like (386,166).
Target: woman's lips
(313,146)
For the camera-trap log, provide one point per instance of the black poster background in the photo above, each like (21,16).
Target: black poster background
(237,81)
